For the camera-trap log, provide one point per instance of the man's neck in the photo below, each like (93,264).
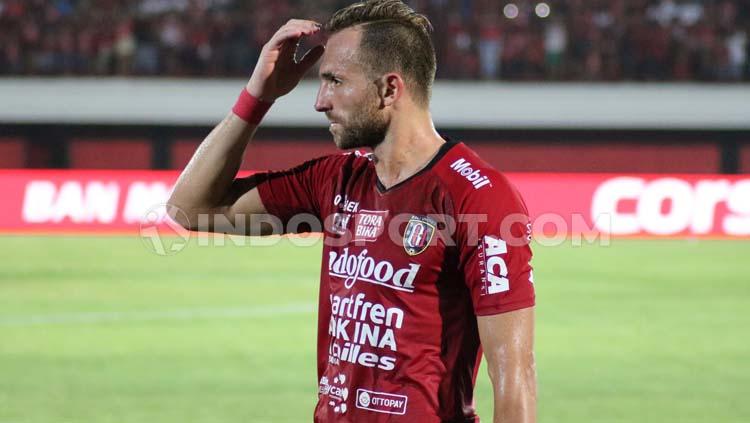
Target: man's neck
(408,147)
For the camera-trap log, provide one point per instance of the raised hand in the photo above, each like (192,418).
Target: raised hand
(276,72)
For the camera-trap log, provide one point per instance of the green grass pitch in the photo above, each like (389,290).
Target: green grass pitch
(101,330)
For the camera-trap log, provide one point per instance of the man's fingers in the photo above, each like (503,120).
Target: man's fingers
(293,30)
(289,35)
(282,36)
(302,22)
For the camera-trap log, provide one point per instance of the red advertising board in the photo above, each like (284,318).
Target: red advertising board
(642,205)
(98,201)
(80,201)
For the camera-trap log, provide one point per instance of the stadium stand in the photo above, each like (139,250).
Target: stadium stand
(604,40)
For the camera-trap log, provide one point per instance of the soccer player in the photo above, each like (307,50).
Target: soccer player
(425,259)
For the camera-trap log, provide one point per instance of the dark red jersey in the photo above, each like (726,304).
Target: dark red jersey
(405,272)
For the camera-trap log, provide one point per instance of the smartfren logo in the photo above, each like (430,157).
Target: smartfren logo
(463,168)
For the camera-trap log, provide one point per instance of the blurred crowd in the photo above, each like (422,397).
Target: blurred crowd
(569,40)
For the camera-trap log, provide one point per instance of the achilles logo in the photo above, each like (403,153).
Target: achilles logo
(381,402)
(463,168)
(353,268)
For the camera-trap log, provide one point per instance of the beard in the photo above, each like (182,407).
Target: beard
(367,128)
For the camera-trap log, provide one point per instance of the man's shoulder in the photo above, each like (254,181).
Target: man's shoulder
(472,182)
(354,157)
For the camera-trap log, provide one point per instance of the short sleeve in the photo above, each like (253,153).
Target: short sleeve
(493,236)
(298,190)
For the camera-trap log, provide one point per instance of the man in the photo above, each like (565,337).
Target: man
(425,257)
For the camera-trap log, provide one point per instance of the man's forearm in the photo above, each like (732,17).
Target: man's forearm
(515,396)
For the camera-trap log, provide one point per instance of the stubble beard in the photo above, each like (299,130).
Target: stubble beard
(367,129)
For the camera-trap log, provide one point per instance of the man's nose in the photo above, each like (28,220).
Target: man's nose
(322,102)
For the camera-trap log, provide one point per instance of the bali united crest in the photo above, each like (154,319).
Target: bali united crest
(418,234)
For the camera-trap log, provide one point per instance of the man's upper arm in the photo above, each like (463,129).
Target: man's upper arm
(507,338)
(232,215)
(279,196)
(495,259)
(493,245)
(243,196)
(242,203)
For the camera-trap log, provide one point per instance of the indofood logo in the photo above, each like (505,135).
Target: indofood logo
(353,268)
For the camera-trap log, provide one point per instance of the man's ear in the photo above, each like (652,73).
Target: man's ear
(390,88)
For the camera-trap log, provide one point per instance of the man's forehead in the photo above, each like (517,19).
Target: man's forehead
(341,50)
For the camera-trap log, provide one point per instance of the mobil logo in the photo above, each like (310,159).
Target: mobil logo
(464,168)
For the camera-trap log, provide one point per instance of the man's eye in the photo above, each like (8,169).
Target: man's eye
(336,81)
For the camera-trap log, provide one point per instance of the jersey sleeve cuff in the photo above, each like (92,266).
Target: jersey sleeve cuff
(505,308)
